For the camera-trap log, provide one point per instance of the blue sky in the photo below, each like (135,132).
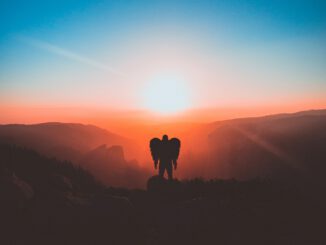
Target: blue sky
(55,52)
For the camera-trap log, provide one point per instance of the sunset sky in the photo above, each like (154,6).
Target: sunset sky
(162,57)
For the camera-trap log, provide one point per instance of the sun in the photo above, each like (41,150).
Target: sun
(166,95)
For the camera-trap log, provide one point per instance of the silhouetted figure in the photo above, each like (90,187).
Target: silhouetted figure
(165,152)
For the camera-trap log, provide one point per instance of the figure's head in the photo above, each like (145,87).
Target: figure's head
(165,138)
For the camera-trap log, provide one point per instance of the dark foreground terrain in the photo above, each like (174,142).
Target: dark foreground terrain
(46,201)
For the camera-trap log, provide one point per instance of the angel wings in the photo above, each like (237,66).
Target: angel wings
(165,149)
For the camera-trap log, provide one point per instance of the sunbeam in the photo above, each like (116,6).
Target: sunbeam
(268,146)
(69,55)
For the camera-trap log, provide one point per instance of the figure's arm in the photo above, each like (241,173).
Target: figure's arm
(155,163)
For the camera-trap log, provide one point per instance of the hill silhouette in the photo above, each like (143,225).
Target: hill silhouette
(83,145)
(110,167)
(284,146)
(274,146)
(261,147)
(46,201)
(279,147)
(66,141)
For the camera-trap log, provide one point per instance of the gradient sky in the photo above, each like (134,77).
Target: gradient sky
(107,54)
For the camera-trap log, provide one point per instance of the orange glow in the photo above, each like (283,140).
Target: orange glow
(140,126)
(122,120)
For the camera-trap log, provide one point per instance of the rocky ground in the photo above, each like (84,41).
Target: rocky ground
(56,204)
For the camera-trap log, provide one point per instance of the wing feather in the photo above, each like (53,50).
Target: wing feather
(175,148)
(154,145)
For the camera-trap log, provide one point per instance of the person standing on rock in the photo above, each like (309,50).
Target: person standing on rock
(165,153)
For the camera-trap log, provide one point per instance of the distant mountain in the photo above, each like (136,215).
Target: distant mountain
(109,165)
(282,146)
(66,141)
(271,146)
(97,150)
